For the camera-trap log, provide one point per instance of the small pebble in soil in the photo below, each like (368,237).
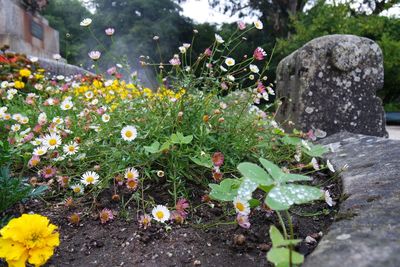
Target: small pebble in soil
(169,254)
(239,239)
(197,263)
(310,240)
(264,247)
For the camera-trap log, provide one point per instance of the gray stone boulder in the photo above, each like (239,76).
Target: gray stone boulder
(330,85)
(367,228)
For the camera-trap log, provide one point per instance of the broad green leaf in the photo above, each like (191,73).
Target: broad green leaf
(165,146)
(315,151)
(187,139)
(266,188)
(283,196)
(290,177)
(226,190)
(153,148)
(175,139)
(255,173)
(179,138)
(203,161)
(272,169)
(278,240)
(280,256)
(254,203)
(291,140)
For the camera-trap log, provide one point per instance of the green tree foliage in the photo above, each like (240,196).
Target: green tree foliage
(65,17)
(325,19)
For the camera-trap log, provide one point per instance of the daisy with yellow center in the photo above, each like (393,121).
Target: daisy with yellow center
(105,118)
(89,94)
(40,151)
(160,213)
(58,120)
(66,105)
(258,24)
(71,148)
(90,178)
(129,133)
(77,189)
(241,206)
(51,141)
(131,173)
(229,61)
(132,183)
(24,120)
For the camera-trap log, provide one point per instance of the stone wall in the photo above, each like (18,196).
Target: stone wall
(329,85)
(25,32)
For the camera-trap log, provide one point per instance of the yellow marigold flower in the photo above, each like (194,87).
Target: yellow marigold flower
(19,84)
(24,72)
(39,76)
(30,237)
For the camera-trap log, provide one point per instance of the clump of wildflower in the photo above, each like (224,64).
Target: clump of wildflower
(259,53)
(241,206)
(145,221)
(258,24)
(161,213)
(218,159)
(86,22)
(77,189)
(34,161)
(63,181)
(106,215)
(109,31)
(175,61)
(31,238)
(94,55)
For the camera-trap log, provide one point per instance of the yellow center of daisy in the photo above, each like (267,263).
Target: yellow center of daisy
(160,214)
(132,183)
(128,134)
(129,175)
(52,142)
(77,189)
(71,149)
(67,106)
(240,206)
(48,171)
(90,179)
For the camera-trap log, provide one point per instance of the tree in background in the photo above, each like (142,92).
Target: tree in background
(65,16)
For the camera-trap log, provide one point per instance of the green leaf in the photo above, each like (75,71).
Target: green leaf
(280,256)
(204,161)
(226,190)
(291,140)
(254,203)
(255,173)
(179,138)
(290,177)
(272,169)
(315,151)
(153,148)
(165,146)
(284,196)
(278,240)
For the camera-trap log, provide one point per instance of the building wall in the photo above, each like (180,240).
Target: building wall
(17,29)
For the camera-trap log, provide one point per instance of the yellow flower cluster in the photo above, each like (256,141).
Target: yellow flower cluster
(30,238)
(120,90)
(24,72)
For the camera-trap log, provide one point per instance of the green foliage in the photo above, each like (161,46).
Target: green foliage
(280,253)
(325,19)
(14,190)
(281,195)
(65,16)
(226,190)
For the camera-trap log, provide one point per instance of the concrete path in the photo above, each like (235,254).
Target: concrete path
(394,132)
(368,233)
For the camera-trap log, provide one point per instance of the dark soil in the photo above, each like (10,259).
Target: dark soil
(206,239)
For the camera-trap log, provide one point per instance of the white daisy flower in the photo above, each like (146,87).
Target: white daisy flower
(40,151)
(254,68)
(182,49)
(58,120)
(71,148)
(131,173)
(86,22)
(330,166)
(36,142)
(94,55)
(89,178)
(315,164)
(66,105)
(51,141)
(328,199)
(89,94)
(258,24)
(15,127)
(24,120)
(219,39)
(56,56)
(231,78)
(241,206)
(160,213)
(105,118)
(129,133)
(16,117)
(77,189)
(229,61)
(42,118)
